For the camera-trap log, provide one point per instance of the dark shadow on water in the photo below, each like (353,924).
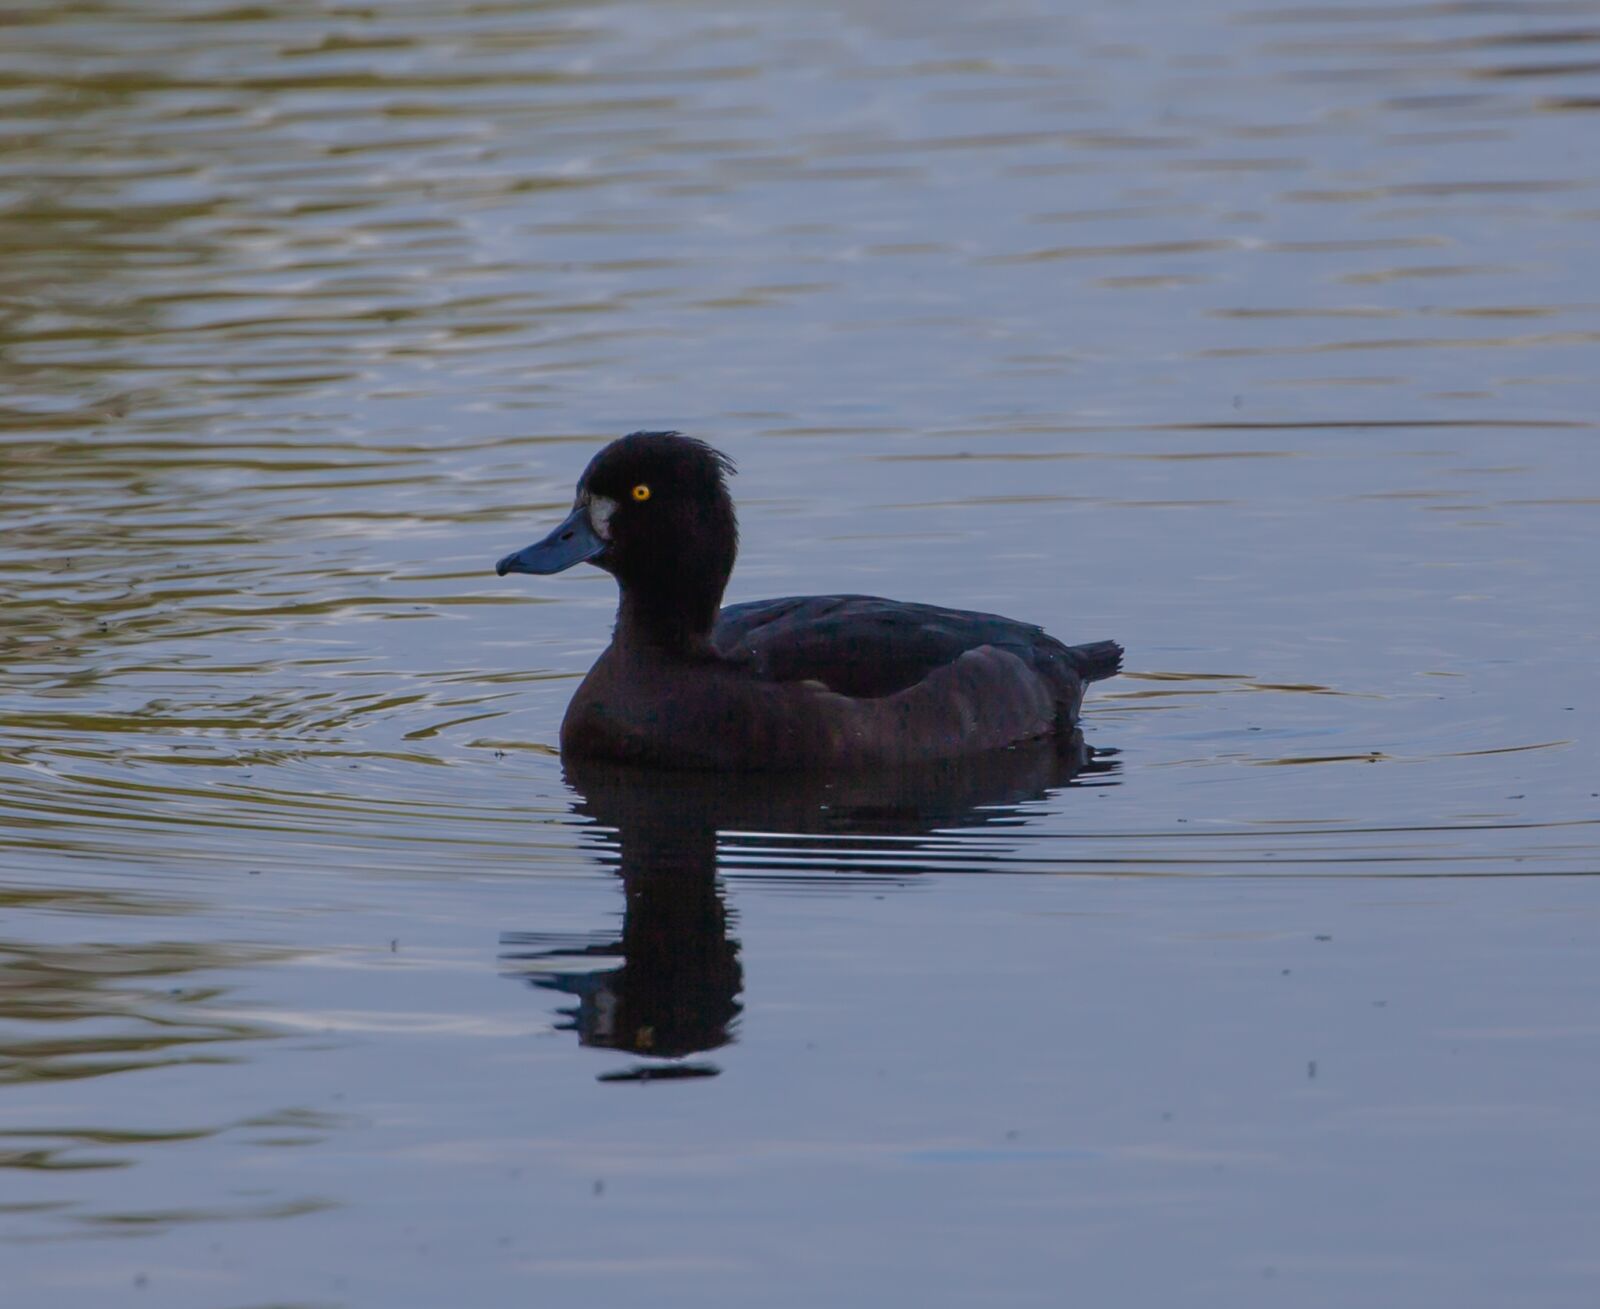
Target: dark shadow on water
(669,986)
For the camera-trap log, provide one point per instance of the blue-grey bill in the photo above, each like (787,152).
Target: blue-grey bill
(571,543)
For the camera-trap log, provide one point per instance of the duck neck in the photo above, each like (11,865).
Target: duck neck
(674,624)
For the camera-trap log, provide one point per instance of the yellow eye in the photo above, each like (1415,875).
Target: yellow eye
(641,492)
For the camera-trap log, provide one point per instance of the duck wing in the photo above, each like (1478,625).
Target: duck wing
(861,645)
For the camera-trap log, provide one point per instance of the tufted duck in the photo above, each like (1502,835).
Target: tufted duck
(826,682)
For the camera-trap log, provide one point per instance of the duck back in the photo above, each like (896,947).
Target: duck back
(862,645)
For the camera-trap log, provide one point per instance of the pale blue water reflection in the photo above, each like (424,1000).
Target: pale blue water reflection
(1259,337)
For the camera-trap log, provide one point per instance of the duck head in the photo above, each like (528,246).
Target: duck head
(653,510)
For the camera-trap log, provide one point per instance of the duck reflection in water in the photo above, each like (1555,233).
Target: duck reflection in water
(676,991)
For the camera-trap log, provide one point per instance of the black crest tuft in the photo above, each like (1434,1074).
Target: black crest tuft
(684,447)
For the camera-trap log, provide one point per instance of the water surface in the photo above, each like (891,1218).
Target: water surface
(1261,338)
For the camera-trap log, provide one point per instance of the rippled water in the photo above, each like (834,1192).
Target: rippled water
(1260,338)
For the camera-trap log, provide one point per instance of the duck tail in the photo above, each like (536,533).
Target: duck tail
(1097,660)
